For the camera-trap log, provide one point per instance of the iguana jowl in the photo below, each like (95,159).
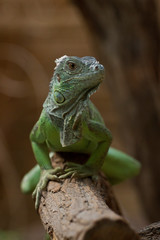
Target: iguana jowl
(69,122)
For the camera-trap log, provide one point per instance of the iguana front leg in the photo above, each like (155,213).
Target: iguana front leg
(98,133)
(41,153)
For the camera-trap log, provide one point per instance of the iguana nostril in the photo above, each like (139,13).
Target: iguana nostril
(100,67)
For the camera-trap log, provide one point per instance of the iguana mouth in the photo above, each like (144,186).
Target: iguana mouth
(92,90)
(88,76)
(85,94)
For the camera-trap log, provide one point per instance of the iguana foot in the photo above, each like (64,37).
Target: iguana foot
(46,175)
(79,171)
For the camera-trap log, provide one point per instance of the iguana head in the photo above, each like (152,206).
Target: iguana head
(75,77)
(74,80)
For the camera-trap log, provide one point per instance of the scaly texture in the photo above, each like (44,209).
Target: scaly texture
(70,122)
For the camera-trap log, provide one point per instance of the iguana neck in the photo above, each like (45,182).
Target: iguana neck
(71,114)
(61,111)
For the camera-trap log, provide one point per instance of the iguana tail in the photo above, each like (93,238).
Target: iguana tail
(119,166)
(30,180)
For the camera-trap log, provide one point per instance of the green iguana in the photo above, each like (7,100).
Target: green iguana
(69,122)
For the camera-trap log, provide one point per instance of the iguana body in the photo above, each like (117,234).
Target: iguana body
(70,122)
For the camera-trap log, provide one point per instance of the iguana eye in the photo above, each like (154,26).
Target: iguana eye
(72,65)
(59,98)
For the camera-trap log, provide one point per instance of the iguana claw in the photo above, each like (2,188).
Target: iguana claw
(46,175)
(78,171)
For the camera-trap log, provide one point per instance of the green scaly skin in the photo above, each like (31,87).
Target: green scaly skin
(69,122)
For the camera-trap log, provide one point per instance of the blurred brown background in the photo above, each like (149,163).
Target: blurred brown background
(32,35)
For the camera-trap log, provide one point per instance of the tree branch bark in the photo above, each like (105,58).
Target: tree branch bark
(81,209)
(151,232)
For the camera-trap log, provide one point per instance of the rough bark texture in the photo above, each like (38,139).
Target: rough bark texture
(81,209)
(127,39)
(151,232)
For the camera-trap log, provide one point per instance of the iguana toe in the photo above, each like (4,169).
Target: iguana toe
(46,175)
(78,171)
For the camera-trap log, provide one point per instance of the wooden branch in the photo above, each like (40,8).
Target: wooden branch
(79,209)
(151,232)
